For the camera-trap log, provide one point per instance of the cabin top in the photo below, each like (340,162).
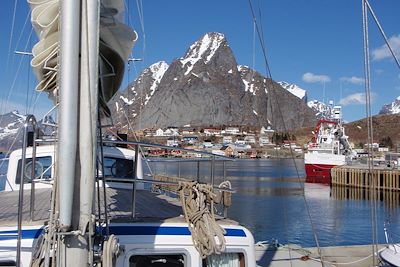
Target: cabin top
(44,162)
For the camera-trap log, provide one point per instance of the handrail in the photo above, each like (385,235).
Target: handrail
(29,121)
(127,180)
(137,146)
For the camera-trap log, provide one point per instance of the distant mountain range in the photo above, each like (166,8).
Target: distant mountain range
(11,130)
(207,87)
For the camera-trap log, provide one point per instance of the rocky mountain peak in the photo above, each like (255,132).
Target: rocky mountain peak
(207,87)
(203,50)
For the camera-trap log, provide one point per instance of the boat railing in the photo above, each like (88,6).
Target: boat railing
(30,121)
(138,146)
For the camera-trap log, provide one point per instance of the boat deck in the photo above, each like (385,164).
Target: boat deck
(150,207)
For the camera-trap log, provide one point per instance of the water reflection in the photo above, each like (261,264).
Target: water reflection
(391,198)
(274,203)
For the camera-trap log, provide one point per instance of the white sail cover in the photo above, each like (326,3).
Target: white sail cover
(116,43)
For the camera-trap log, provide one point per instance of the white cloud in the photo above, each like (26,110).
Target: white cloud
(356,99)
(353,80)
(313,78)
(383,51)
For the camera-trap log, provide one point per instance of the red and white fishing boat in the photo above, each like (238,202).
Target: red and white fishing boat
(329,147)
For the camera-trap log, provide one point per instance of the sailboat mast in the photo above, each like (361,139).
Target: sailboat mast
(68,109)
(78,121)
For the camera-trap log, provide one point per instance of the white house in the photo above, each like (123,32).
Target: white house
(267,130)
(207,144)
(172,142)
(232,130)
(212,132)
(159,132)
(264,140)
(240,142)
(250,139)
(227,140)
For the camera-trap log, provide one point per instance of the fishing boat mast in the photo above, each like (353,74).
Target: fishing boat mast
(77,127)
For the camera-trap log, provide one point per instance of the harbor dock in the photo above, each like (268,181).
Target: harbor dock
(292,255)
(383,178)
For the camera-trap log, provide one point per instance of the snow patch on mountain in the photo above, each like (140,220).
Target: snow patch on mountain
(294,89)
(10,124)
(126,101)
(158,70)
(320,108)
(391,108)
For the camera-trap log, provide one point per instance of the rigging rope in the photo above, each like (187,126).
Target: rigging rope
(198,206)
(272,86)
(383,33)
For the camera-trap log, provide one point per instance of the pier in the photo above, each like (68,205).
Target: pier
(359,176)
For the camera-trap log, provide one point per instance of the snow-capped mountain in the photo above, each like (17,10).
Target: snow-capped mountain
(391,108)
(317,106)
(129,103)
(294,89)
(10,130)
(207,87)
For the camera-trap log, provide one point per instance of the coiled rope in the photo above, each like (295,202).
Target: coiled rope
(198,206)
(110,251)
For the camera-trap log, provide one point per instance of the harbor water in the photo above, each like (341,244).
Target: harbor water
(273,201)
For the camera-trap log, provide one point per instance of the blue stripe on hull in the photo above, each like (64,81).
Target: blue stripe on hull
(163,230)
(122,230)
(26,234)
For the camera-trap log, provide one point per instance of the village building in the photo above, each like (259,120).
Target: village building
(159,132)
(149,132)
(212,132)
(232,130)
(267,130)
(172,142)
(250,139)
(264,140)
(229,150)
(227,140)
(207,144)
(240,142)
(190,139)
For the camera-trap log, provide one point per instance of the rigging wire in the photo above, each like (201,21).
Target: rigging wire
(383,33)
(139,4)
(12,31)
(285,128)
(367,72)
(5,100)
(263,49)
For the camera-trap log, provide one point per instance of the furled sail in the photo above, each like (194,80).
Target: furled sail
(115,45)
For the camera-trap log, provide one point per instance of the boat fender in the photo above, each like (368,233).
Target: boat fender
(111,250)
(226,196)
(218,197)
(227,199)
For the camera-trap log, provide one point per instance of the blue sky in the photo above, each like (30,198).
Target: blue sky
(316,44)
